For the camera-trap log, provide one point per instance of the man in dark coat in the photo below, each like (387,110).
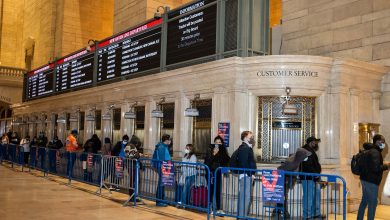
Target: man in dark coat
(311,200)
(371,176)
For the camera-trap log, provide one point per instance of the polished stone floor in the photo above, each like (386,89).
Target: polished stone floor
(30,196)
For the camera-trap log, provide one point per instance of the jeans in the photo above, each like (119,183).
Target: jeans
(217,202)
(53,161)
(160,194)
(244,195)
(311,199)
(71,160)
(187,189)
(370,195)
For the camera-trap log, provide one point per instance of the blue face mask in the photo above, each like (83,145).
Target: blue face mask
(382,146)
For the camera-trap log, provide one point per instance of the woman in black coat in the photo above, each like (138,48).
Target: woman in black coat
(217,157)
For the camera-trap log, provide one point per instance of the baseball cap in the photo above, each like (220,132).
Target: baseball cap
(312,138)
(74,132)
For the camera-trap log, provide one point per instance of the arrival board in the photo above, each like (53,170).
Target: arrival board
(40,81)
(194,34)
(133,51)
(75,71)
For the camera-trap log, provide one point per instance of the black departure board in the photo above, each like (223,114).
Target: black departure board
(40,82)
(131,52)
(193,34)
(75,70)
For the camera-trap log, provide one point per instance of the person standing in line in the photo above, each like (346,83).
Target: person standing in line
(93,145)
(25,143)
(4,139)
(161,153)
(187,178)
(311,195)
(107,146)
(371,176)
(71,148)
(245,159)
(217,157)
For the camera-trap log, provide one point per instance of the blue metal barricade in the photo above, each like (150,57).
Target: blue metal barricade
(122,173)
(38,159)
(276,194)
(176,183)
(85,167)
(57,162)
(1,153)
(19,156)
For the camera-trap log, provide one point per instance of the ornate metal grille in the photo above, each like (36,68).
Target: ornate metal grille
(280,134)
(201,131)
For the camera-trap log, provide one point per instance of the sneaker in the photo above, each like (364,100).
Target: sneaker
(221,212)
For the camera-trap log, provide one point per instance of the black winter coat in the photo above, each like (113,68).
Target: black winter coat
(312,165)
(221,159)
(373,169)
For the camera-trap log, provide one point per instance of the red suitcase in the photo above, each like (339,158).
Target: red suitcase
(199,196)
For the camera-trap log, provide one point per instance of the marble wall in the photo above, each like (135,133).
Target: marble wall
(347,92)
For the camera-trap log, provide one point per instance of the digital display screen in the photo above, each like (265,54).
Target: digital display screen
(40,82)
(194,34)
(133,51)
(75,70)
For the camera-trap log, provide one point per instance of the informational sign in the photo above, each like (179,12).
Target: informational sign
(119,167)
(273,186)
(89,162)
(224,132)
(134,51)
(286,124)
(58,158)
(75,70)
(167,173)
(193,33)
(40,81)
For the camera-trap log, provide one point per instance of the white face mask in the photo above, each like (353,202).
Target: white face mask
(306,159)
(124,142)
(382,146)
(186,151)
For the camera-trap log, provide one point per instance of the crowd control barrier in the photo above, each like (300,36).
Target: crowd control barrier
(38,159)
(176,183)
(85,167)
(120,173)
(276,194)
(58,162)
(13,154)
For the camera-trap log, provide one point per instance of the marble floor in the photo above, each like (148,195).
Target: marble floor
(31,196)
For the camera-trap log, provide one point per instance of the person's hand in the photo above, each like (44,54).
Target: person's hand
(215,151)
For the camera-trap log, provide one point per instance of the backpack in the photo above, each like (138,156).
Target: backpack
(358,162)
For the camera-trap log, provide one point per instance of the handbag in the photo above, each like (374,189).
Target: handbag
(386,188)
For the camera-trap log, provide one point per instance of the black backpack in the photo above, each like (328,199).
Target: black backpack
(359,162)
(234,159)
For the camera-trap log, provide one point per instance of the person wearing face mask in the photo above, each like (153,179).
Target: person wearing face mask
(119,148)
(54,145)
(311,197)
(71,148)
(371,176)
(187,177)
(161,153)
(217,157)
(245,159)
(25,143)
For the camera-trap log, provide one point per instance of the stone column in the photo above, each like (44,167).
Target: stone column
(183,129)
(61,127)
(50,126)
(220,112)
(89,125)
(127,125)
(107,124)
(376,107)
(354,122)
(152,128)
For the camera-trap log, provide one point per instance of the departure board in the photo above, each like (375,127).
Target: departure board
(75,70)
(40,82)
(193,34)
(131,52)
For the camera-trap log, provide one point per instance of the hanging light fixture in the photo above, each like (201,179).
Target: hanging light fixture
(192,111)
(131,113)
(289,109)
(158,113)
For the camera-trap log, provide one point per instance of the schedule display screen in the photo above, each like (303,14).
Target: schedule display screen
(134,51)
(75,71)
(40,82)
(194,34)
